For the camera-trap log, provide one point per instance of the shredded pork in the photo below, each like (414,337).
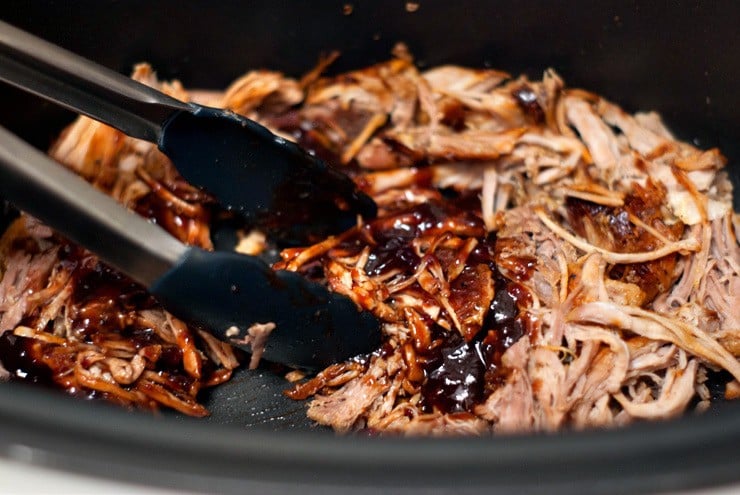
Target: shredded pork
(541,258)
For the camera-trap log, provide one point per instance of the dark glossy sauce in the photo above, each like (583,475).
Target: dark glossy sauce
(455,376)
(102,310)
(20,357)
(105,303)
(462,374)
(153,207)
(104,299)
(96,281)
(392,254)
(393,234)
(459,373)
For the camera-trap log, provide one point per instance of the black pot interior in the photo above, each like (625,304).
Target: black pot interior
(677,58)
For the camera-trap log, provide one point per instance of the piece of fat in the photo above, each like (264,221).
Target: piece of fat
(684,206)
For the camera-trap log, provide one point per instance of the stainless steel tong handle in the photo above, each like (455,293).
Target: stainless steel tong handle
(220,291)
(80,85)
(35,184)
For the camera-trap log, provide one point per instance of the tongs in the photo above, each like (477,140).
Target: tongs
(268,180)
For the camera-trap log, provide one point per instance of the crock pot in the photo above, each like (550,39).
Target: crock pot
(678,58)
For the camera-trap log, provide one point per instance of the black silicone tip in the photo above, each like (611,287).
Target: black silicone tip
(272,182)
(226,293)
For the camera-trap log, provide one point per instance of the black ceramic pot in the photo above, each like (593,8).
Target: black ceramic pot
(680,58)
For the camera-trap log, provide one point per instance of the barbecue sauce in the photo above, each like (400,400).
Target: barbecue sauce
(462,374)
(393,234)
(459,373)
(101,309)
(19,356)
(455,375)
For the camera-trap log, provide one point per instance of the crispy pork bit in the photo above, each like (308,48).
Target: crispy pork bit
(541,258)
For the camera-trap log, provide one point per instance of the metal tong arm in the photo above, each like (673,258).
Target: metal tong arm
(36,184)
(80,85)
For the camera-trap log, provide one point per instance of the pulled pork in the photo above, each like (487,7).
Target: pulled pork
(70,321)
(541,259)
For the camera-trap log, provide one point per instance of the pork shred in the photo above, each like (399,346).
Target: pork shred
(541,258)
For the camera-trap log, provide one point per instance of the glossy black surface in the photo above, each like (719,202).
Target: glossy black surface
(314,327)
(291,194)
(679,58)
